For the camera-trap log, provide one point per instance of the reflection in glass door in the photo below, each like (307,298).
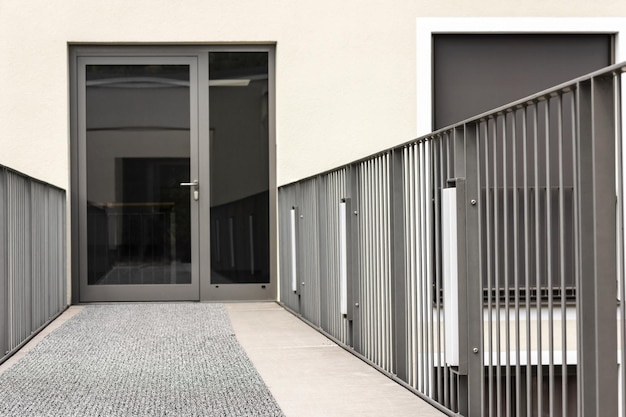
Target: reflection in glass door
(239,160)
(139,189)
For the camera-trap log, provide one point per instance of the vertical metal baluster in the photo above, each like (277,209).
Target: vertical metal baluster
(619,90)
(386,296)
(426,282)
(408,221)
(413,266)
(390,283)
(481,266)
(439,180)
(489,256)
(527,265)
(383,256)
(418,270)
(390,305)
(537,245)
(367,190)
(364,259)
(562,255)
(334,194)
(549,254)
(377,278)
(497,244)
(516,265)
(506,260)
(423,277)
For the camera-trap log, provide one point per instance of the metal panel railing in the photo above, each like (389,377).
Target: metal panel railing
(375,299)
(32,257)
(332,190)
(478,265)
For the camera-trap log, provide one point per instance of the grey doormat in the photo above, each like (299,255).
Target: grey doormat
(138,360)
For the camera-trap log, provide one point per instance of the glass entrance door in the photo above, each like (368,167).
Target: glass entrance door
(139,217)
(173,180)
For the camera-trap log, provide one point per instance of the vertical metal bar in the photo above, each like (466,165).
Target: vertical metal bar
(411,289)
(455,139)
(326,264)
(368,261)
(548,252)
(373,264)
(398,271)
(561,256)
(473,203)
(527,262)
(516,264)
(597,319)
(375,278)
(364,186)
(323,217)
(487,231)
(496,264)
(460,174)
(408,327)
(428,208)
(379,278)
(419,159)
(352,191)
(427,282)
(506,260)
(537,247)
(620,160)
(383,257)
(440,393)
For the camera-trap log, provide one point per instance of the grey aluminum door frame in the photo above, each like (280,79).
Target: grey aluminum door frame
(132,292)
(201,287)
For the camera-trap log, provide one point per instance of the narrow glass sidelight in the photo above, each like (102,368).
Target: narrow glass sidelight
(239,167)
(137,155)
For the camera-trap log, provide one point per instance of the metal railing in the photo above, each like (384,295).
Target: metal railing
(477,265)
(32,258)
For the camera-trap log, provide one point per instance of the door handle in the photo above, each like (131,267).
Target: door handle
(195,185)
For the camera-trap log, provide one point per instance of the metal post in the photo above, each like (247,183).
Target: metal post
(596,280)
(473,354)
(398,273)
(322,241)
(352,226)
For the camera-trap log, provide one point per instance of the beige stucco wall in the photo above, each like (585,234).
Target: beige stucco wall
(345,70)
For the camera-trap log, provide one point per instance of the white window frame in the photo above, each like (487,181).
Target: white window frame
(427,27)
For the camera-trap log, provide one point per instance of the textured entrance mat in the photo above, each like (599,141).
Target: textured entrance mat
(138,360)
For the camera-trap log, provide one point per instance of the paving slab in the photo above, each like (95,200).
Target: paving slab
(311,376)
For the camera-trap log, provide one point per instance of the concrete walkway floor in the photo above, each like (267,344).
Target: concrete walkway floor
(308,374)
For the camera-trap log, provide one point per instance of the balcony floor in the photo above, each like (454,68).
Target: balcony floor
(307,374)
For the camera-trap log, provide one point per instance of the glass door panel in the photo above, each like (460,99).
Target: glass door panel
(239,161)
(138,136)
